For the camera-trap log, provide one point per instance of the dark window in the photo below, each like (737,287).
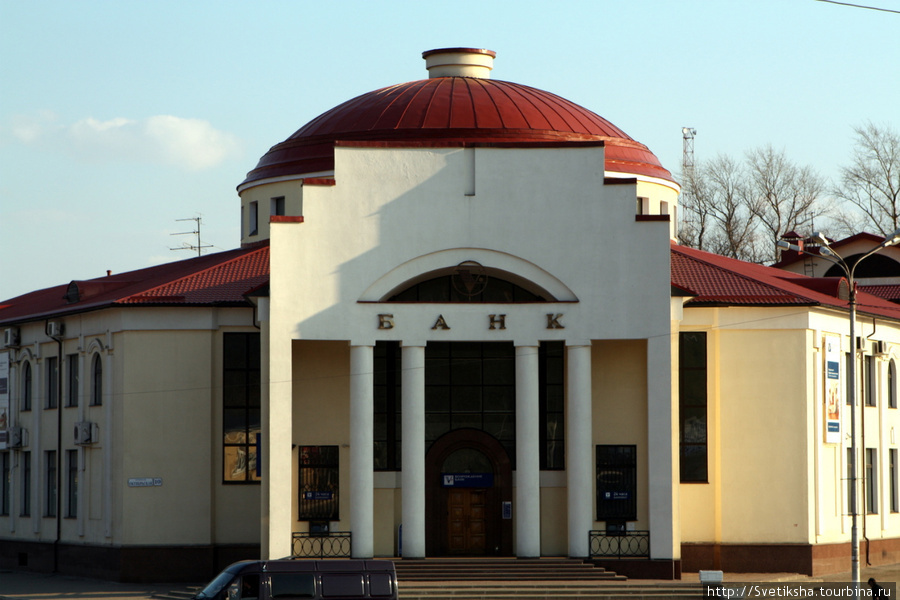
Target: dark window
(319,483)
(552,406)
(52,365)
(240,407)
(50,484)
(471,384)
(96,380)
(254,218)
(72,483)
(26,485)
(250,588)
(278,205)
(892,384)
(293,585)
(453,288)
(616,484)
(387,406)
(343,585)
(5,483)
(871,481)
(692,403)
(72,380)
(27,386)
(870,381)
(895,501)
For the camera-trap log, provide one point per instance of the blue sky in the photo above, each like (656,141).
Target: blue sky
(119,117)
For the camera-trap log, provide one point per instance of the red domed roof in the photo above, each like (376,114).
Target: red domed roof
(450,111)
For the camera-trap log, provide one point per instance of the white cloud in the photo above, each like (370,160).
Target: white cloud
(190,144)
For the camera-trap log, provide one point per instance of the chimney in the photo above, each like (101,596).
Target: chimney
(459,62)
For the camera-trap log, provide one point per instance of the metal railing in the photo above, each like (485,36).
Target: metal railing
(334,544)
(624,544)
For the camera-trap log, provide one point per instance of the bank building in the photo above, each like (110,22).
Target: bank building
(458,324)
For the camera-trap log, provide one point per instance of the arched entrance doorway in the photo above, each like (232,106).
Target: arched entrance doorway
(468,478)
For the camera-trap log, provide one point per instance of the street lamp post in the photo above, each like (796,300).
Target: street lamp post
(826,252)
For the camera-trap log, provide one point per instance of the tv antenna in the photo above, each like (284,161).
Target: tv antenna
(187,245)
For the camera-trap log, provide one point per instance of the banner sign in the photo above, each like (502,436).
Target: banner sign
(4,398)
(833,390)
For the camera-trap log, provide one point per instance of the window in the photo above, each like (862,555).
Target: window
(319,483)
(72,380)
(27,387)
(892,384)
(616,485)
(71,483)
(240,406)
(52,381)
(387,406)
(551,391)
(895,496)
(871,481)
(278,206)
(96,380)
(850,481)
(692,399)
(50,483)
(26,485)
(254,218)
(5,483)
(870,381)
(471,384)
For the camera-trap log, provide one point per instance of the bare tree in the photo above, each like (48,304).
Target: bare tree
(721,191)
(872,180)
(783,196)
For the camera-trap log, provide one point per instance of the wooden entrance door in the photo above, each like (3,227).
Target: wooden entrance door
(466,521)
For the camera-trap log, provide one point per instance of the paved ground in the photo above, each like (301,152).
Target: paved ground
(21,585)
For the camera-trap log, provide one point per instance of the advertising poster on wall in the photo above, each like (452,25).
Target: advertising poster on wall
(4,398)
(833,395)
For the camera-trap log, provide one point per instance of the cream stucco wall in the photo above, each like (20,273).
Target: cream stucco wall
(160,417)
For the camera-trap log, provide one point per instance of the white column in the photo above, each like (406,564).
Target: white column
(662,445)
(413,451)
(528,461)
(276,365)
(362,480)
(579,449)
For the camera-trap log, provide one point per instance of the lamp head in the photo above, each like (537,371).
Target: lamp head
(892,240)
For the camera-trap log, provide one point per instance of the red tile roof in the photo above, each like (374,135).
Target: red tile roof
(219,279)
(223,279)
(716,280)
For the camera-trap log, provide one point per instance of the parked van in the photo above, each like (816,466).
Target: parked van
(304,579)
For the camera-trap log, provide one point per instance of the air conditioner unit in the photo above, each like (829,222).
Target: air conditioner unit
(16,437)
(860,344)
(881,347)
(10,337)
(86,433)
(55,328)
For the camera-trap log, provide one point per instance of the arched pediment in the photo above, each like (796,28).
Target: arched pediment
(499,265)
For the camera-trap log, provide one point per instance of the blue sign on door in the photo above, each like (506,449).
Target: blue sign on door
(468,480)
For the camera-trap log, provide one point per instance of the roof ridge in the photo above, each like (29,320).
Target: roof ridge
(241,253)
(738,274)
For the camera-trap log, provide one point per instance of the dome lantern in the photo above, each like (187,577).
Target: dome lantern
(459,62)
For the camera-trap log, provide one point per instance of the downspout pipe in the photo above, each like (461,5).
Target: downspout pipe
(59,396)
